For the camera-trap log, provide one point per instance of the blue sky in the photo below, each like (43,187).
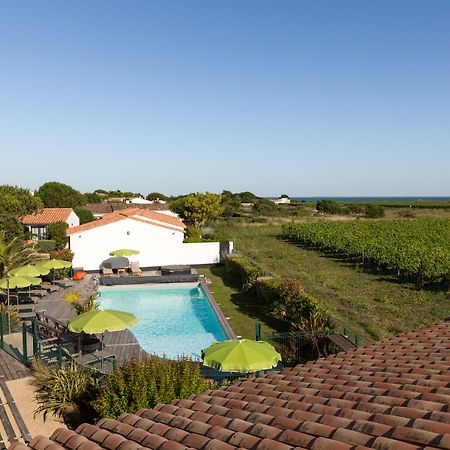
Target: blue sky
(348,97)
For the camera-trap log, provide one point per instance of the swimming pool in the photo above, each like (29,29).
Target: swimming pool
(173,320)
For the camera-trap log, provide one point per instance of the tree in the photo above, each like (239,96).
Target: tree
(328,207)
(60,195)
(92,197)
(85,215)
(10,226)
(157,196)
(248,197)
(16,253)
(57,232)
(374,211)
(198,208)
(18,201)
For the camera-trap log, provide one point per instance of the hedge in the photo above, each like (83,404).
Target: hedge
(244,270)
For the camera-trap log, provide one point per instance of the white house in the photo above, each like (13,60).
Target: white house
(158,238)
(37,223)
(282,201)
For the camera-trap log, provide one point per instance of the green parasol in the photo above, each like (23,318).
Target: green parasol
(56,264)
(30,270)
(124,252)
(241,355)
(13,282)
(102,320)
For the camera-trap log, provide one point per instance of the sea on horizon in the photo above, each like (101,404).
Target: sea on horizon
(371,199)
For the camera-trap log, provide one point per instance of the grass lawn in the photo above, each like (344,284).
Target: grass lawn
(237,306)
(370,304)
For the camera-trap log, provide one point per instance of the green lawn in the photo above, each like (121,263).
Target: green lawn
(239,307)
(371,304)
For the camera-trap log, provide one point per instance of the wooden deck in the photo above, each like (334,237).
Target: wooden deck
(10,368)
(122,344)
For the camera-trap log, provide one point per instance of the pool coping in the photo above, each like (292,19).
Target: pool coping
(229,333)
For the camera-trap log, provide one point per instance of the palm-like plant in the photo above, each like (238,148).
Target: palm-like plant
(64,392)
(83,306)
(16,253)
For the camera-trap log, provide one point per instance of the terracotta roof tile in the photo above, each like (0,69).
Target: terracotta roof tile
(393,395)
(140,215)
(47,215)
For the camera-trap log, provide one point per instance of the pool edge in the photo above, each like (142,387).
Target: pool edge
(229,333)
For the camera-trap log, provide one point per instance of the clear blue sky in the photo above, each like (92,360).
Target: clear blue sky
(348,97)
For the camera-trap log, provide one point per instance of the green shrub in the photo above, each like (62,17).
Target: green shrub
(143,384)
(244,270)
(10,226)
(57,232)
(85,215)
(46,245)
(267,291)
(328,207)
(192,235)
(374,211)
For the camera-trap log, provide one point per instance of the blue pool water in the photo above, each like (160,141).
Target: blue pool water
(172,321)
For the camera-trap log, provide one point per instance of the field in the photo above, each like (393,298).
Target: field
(370,303)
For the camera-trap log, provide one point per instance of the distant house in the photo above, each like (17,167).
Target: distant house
(37,223)
(283,200)
(158,237)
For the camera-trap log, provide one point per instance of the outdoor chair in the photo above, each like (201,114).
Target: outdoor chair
(106,272)
(135,269)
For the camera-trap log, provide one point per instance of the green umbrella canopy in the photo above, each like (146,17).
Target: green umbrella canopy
(124,252)
(19,282)
(241,355)
(29,271)
(56,264)
(101,321)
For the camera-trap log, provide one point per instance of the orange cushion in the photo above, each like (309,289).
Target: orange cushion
(79,276)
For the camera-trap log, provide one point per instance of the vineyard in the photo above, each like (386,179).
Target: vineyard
(417,249)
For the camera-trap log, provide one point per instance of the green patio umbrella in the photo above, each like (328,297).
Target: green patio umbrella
(124,252)
(100,321)
(241,355)
(30,270)
(13,282)
(56,264)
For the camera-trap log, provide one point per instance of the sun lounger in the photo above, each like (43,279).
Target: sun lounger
(50,288)
(38,293)
(106,272)
(64,283)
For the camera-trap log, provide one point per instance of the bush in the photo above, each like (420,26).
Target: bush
(374,211)
(46,246)
(64,254)
(244,270)
(85,215)
(143,384)
(64,392)
(267,291)
(328,207)
(57,232)
(192,235)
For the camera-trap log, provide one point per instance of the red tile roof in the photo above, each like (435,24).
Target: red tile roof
(158,219)
(393,395)
(104,208)
(47,215)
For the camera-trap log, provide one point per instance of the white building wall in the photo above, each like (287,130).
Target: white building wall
(158,246)
(73,220)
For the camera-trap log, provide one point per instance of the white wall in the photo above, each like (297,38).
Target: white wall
(158,246)
(73,220)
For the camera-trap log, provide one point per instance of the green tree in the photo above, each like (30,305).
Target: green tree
(16,253)
(10,226)
(57,232)
(60,195)
(247,197)
(328,207)
(198,208)
(92,197)
(18,201)
(157,195)
(374,211)
(85,215)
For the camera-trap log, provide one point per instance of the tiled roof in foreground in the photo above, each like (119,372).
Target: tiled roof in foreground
(393,395)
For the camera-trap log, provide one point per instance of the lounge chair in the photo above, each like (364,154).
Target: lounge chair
(135,269)
(64,283)
(106,272)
